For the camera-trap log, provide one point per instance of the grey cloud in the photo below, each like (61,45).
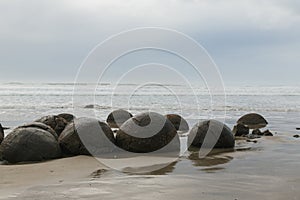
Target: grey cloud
(46,37)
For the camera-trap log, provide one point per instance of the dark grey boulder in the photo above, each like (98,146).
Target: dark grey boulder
(68,117)
(211,134)
(86,136)
(240,130)
(29,144)
(148,132)
(253,121)
(1,133)
(116,118)
(257,132)
(296,136)
(57,123)
(267,133)
(90,106)
(40,126)
(179,122)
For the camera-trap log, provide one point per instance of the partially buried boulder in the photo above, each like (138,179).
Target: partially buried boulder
(257,132)
(240,130)
(148,132)
(211,134)
(57,123)
(26,144)
(267,133)
(86,136)
(179,122)
(68,117)
(116,118)
(253,121)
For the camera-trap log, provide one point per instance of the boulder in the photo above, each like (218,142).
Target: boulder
(211,134)
(148,132)
(29,144)
(90,106)
(240,130)
(1,133)
(179,123)
(267,133)
(257,132)
(68,117)
(86,136)
(296,136)
(40,126)
(116,118)
(57,123)
(253,121)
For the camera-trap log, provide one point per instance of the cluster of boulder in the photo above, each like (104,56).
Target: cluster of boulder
(251,121)
(63,135)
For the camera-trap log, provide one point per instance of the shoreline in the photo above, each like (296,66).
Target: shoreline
(263,170)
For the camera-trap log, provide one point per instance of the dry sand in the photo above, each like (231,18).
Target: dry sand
(18,178)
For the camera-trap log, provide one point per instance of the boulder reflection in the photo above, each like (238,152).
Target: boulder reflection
(214,158)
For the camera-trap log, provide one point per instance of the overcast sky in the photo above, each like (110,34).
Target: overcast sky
(251,41)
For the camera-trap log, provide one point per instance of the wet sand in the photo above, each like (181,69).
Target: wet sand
(268,169)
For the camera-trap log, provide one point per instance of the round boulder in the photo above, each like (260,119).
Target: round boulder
(211,134)
(57,123)
(40,126)
(1,133)
(29,144)
(148,132)
(179,123)
(116,118)
(257,132)
(68,117)
(240,130)
(253,121)
(86,136)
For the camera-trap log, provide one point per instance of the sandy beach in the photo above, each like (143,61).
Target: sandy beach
(267,169)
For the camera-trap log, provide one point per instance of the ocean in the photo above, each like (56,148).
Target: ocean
(265,169)
(25,102)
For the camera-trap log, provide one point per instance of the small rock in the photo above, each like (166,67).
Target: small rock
(240,130)
(179,122)
(267,133)
(214,133)
(298,129)
(90,106)
(257,132)
(296,136)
